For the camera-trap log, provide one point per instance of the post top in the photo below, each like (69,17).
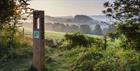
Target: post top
(38,13)
(38,10)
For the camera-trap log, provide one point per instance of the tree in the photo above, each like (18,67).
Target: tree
(97,30)
(9,9)
(10,14)
(74,28)
(85,29)
(127,14)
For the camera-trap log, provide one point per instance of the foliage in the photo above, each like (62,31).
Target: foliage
(21,62)
(53,43)
(9,9)
(9,48)
(113,35)
(112,59)
(10,38)
(131,38)
(127,15)
(123,10)
(77,59)
(80,40)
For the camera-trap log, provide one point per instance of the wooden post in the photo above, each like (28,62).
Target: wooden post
(38,40)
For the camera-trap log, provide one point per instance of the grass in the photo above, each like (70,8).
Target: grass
(55,59)
(21,62)
(54,35)
(18,64)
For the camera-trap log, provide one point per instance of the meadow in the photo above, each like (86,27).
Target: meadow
(78,58)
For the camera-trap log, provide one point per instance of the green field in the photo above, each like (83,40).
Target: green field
(57,59)
(54,35)
(24,61)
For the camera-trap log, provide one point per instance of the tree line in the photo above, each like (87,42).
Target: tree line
(86,29)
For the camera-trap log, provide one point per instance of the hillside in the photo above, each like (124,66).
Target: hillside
(70,24)
(77,19)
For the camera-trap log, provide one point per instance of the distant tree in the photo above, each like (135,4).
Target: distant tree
(74,28)
(85,29)
(97,30)
(59,27)
(68,28)
(82,18)
(110,29)
(105,30)
(127,14)
(62,27)
(49,26)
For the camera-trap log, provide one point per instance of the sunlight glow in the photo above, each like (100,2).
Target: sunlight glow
(69,7)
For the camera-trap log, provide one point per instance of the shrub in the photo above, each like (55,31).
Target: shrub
(130,34)
(111,59)
(53,43)
(80,40)
(8,47)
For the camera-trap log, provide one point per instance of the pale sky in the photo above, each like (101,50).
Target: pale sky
(69,7)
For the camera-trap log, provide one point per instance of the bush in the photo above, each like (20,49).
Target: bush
(131,33)
(8,47)
(53,43)
(111,59)
(119,60)
(80,40)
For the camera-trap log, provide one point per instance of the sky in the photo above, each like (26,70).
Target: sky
(69,7)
